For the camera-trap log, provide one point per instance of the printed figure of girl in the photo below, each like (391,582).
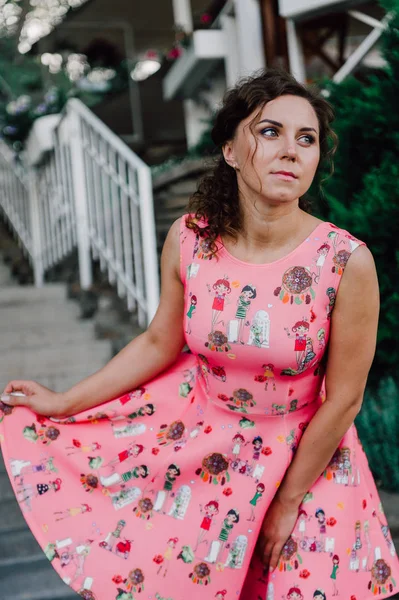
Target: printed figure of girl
(294,593)
(268,375)
(332,294)
(239,441)
(321,519)
(211,509)
(72,512)
(146,410)
(319,595)
(190,312)
(321,338)
(300,330)
(26,493)
(221,595)
(231,519)
(221,288)
(248,293)
(116,478)
(167,556)
(171,475)
(257,443)
(78,447)
(322,254)
(302,519)
(260,488)
(133,450)
(334,572)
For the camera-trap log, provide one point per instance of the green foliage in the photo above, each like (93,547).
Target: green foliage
(378,428)
(363,194)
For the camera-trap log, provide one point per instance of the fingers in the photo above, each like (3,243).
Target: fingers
(274,556)
(16,392)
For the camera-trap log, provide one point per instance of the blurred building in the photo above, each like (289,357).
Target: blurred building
(203,47)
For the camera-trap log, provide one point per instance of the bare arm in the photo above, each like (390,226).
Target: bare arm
(351,351)
(143,358)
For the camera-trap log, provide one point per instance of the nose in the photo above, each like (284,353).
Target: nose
(289,151)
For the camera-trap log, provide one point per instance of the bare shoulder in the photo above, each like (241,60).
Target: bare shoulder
(358,293)
(171,248)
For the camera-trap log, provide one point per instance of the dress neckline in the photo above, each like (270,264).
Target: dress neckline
(223,250)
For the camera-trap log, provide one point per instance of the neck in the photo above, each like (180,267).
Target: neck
(269,226)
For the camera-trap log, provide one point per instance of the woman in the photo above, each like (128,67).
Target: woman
(247,223)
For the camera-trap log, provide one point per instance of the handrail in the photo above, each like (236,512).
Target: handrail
(93,193)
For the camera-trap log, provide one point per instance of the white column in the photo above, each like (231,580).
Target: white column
(35,213)
(295,52)
(249,36)
(80,199)
(147,223)
(182,14)
(232,58)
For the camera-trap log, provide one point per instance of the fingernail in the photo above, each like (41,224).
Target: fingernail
(6,399)
(271,569)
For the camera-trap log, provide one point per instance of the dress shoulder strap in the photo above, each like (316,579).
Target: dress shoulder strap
(188,243)
(340,245)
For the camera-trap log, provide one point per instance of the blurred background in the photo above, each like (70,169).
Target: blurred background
(105,117)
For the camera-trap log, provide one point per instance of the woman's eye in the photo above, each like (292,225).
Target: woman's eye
(269,132)
(308,139)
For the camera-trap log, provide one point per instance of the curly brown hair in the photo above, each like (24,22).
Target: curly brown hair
(214,209)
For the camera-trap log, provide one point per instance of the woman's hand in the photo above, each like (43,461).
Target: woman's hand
(277,527)
(37,397)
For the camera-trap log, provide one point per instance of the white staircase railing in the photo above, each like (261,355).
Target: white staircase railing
(91,192)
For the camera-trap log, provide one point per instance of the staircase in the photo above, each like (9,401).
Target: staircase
(41,339)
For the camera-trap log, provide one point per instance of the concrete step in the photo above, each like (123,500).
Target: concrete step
(20,547)
(11,517)
(40,336)
(6,491)
(38,581)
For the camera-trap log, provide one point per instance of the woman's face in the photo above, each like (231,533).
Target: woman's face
(285,138)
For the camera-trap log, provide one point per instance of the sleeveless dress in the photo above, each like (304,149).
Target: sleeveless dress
(160,494)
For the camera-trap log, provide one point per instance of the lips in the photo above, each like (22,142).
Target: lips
(286,174)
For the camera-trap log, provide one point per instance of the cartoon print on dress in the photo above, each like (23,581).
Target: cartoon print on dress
(216,547)
(296,286)
(128,429)
(164,560)
(236,325)
(332,295)
(214,469)
(267,377)
(294,593)
(72,557)
(321,338)
(74,511)
(134,582)
(340,260)
(77,447)
(144,509)
(260,488)
(144,411)
(333,576)
(290,559)
(239,441)
(342,468)
(141,471)
(241,400)
(187,385)
(381,581)
(5,410)
(319,595)
(320,260)
(201,574)
(385,533)
(20,467)
(303,519)
(135,394)
(172,473)
(217,342)
(125,496)
(219,290)
(211,510)
(202,248)
(259,331)
(45,434)
(303,348)
(190,312)
(113,542)
(216,371)
(26,491)
(133,450)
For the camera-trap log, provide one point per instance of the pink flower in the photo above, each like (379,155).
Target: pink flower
(266,451)
(228,491)
(117,579)
(155,451)
(331,522)
(304,574)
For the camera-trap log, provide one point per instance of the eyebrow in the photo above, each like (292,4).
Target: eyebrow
(281,125)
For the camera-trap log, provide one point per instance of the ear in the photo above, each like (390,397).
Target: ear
(229,154)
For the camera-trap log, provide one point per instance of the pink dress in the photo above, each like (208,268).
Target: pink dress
(122,521)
